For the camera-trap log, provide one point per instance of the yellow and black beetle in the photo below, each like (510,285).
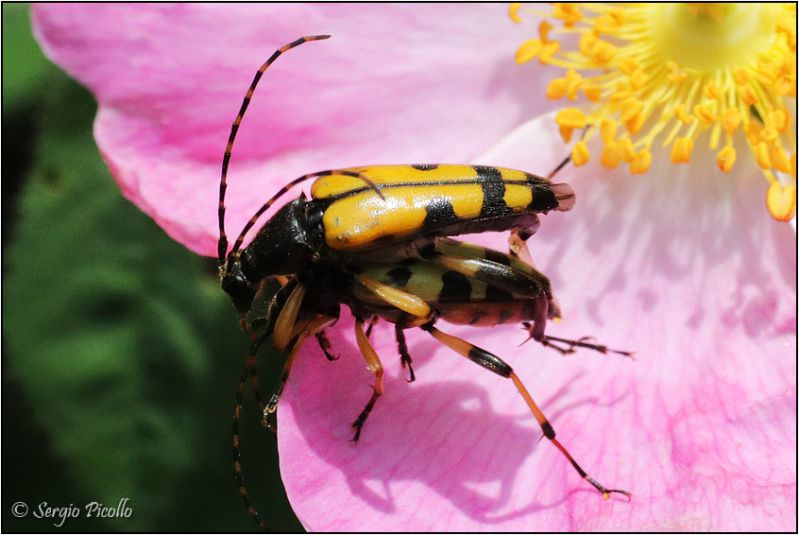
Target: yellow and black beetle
(374,238)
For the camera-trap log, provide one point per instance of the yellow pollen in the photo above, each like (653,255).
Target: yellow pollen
(611,155)
(781,201)
(779,159)
(568,13)
(762,156)
(641,162)
(556,89)
(681,150)
(580,154)
(568,120)
(706,112)
(726,158)
(592,93)
(626,150)
(513,12)
(528,50)
(778,119)
(682,114)
(687,77)
(731,120)
(607,130)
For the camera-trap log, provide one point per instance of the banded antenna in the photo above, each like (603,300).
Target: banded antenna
(223,242)
(222,245)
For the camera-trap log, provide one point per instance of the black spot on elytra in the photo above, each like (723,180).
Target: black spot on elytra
(477,317)
(493,192)
(496,256)
(425,166)
(494,294)
(505,314)
(428,251)
(440,213)
(399,276)
(457,288)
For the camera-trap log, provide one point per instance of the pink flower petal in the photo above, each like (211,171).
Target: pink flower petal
(685,269)
(396,84)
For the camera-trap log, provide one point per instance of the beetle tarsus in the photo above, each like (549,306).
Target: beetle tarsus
(607,492)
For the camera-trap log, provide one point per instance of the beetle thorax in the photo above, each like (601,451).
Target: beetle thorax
(286,244)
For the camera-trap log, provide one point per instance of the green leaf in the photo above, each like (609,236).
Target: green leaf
(124,351)
(25,68)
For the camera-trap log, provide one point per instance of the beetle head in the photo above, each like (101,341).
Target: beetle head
(236,284)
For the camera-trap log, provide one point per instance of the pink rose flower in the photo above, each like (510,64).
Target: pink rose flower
(679,266)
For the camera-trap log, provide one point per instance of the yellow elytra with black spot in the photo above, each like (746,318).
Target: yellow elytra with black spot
(440,199)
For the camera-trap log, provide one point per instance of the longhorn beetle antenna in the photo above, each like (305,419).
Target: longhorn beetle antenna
(222,246)
(223,242)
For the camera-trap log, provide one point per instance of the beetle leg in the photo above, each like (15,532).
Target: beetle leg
(301,331)
(374,365)
(555,343)
(265,321)
(372,322)
(237,472)
(500,367)
(402,346)
(517,242)
(407,302)
(252,370)
(324,343)
(284,325)
(269,410)
(519,235)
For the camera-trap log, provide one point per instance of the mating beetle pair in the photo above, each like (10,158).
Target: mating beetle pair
(375,239)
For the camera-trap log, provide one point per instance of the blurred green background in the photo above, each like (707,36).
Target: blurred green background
(121,354)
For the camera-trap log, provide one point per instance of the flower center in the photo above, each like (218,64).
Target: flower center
(706,37)
(675,75)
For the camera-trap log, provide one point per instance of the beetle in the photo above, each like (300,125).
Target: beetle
(376,239)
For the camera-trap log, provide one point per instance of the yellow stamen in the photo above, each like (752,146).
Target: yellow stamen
(529,50)
(726,158)
(682,114)
(684,76)
(580,154)
(778,119)
(762,156)
(779,158)
(556,89)
(513,12)
(607,130)
(626,150)
(781,201)
(641,162)
(681,150)
(568,13)
(592,93)
(611,155)
(731,119)
(568,120)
